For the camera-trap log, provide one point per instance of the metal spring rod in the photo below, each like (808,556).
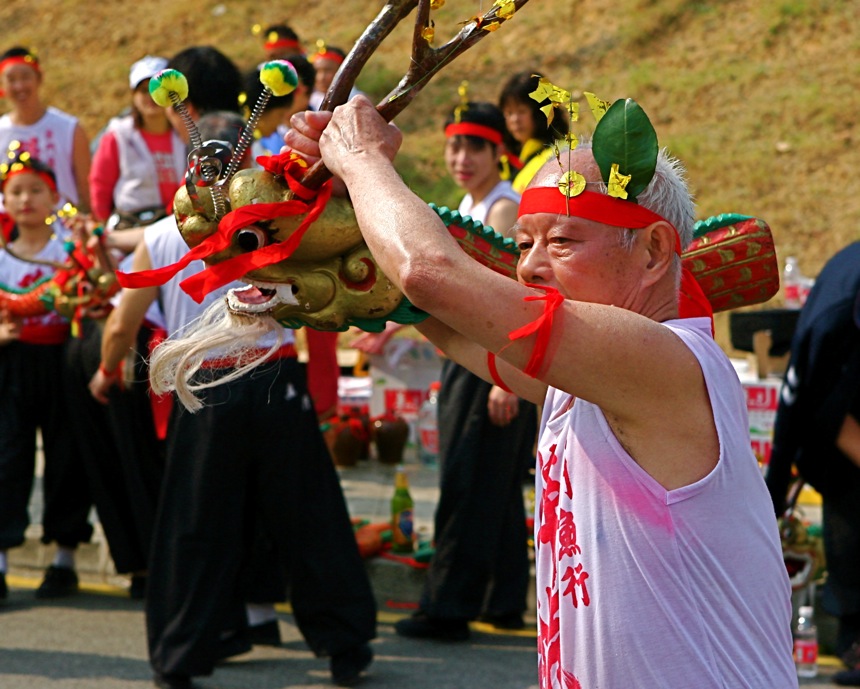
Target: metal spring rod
(247,135)
(196,142)
(190,127)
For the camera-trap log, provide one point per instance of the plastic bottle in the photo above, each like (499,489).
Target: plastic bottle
(806,643)
(792,284)
(428,427)
(402,519)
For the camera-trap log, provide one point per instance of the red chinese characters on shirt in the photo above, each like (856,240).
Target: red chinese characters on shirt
(31,279)
(558,532)
(45,150)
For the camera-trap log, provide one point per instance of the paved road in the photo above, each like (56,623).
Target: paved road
(95,640)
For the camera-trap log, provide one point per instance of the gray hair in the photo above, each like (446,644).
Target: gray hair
(667,195)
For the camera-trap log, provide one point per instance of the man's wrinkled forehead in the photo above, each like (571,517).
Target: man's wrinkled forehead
(544,222)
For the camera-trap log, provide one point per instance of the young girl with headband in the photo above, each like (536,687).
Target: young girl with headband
(32,356)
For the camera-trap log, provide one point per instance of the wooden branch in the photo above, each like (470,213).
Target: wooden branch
(428,61)
(376,32)
(425,63)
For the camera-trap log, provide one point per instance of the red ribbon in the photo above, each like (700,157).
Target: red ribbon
(199,285)
(471,129)
(609,210)
(284,43)
(542,325)
(215,276)
(592,205)
(494,372)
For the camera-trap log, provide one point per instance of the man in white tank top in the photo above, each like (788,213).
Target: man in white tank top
(255,462)
(658,560)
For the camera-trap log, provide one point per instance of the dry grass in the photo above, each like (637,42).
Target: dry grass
(759,97)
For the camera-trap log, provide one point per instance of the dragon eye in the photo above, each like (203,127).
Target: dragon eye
(250,239)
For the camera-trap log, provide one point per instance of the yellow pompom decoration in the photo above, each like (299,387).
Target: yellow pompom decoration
(280,77)
(164,83)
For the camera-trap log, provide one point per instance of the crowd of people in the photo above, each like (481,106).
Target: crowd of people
(640,444)
(109,443)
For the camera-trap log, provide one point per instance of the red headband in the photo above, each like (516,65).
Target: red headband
(592,205)
(617,213)
(328,55)
(472,129)
(28,60)
(39,173)
(283,43)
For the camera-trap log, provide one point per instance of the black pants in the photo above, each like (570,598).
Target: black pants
(32,396)
(481,559)
(252,467)
(123,458)
(841,594)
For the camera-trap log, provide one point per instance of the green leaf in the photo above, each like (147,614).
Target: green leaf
(626,136)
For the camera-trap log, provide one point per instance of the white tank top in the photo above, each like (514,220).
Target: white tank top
(23,275)
(51,140)
(639,586)
(479,211)
(166,246)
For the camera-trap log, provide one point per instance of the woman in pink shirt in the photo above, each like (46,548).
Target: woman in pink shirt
(140,160)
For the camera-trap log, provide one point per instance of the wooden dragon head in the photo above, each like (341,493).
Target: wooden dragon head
(328,280)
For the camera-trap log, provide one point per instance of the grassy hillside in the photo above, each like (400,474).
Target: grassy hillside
(759,97)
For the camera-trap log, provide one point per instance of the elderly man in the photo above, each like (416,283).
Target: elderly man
(657,555)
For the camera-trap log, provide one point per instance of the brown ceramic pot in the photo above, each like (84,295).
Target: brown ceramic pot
(390,434)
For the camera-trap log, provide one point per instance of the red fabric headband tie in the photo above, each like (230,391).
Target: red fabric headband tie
(28,60)
(283,43)
(199,285)
(592,205)
(609,210)
(472,129)
(20,60)
(328,55)
(44,176)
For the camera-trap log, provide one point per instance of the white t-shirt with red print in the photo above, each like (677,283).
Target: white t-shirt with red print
(639,586)
(23,276)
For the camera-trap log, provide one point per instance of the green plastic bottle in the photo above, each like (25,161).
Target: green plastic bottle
(402,520)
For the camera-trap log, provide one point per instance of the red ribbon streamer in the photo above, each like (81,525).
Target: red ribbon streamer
(494,372)
(199,285)
(215,276)
(542,325)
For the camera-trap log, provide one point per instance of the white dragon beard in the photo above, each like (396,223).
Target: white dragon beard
(176,360)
